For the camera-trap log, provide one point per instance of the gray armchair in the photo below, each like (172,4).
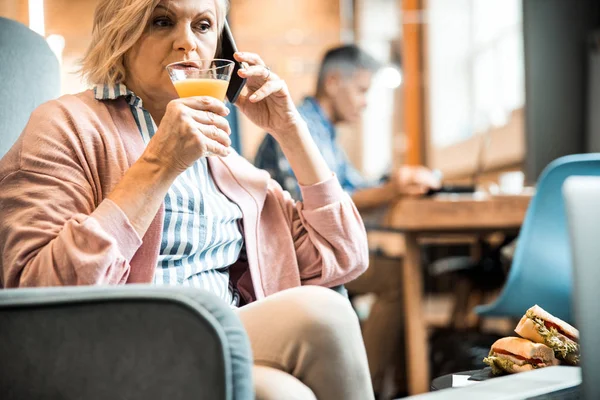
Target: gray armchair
(132,342)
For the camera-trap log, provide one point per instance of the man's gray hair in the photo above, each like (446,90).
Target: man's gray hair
(345,59)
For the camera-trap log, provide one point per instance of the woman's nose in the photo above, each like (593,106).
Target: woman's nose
(186,40)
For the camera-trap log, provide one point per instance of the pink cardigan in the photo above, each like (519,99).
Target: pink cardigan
(58,228)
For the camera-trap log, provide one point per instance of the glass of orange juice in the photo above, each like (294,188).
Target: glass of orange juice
(201,77)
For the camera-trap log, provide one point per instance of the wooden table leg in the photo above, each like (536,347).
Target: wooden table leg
(417,361)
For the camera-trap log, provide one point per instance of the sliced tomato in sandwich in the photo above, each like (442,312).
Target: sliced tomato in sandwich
(550,325)
(533,361)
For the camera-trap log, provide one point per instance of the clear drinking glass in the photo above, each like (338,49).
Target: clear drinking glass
(201,77)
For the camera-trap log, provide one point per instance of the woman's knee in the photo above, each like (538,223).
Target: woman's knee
(320,311)
(309,315)
(273,384)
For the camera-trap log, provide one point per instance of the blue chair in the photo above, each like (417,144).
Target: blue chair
(26,61)
(541,268)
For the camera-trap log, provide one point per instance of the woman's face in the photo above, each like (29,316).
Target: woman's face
(178,30)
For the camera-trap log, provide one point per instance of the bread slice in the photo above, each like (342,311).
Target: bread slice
(564,327)
(511,354)
(528,330)
(525,349)
(532,326)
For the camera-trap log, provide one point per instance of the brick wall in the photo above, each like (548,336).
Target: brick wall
(14,9)
(71,19)
(290,35)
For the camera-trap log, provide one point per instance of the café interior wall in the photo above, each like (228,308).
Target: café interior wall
(291,36)
(68,18)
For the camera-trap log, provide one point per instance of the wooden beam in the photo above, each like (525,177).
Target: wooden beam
(412,63)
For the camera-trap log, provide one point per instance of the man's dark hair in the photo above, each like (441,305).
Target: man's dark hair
(347,59)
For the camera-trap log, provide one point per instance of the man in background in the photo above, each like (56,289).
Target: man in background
(341,96)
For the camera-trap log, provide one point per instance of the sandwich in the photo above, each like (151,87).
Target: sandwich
(512,354)
(541,327)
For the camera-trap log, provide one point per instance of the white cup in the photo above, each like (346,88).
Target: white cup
(511,182)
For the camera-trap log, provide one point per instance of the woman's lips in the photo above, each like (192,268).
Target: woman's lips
(186,66)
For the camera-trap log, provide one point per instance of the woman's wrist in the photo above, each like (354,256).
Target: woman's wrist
(293,136)
(157,168)
(303,155)
(141,191)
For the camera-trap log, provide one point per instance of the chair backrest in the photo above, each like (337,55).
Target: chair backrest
(541,271)
(30,76)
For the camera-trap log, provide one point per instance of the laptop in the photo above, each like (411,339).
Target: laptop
(560,382)
(582,204)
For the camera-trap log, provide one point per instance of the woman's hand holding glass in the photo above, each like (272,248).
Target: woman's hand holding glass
(191,128)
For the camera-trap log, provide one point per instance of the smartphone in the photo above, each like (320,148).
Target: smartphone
(228,48)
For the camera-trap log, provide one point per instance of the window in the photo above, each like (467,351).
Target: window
(476,66)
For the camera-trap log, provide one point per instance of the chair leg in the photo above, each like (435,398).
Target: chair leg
(475,298)
(461,304)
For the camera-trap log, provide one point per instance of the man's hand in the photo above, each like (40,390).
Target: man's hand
(414,180)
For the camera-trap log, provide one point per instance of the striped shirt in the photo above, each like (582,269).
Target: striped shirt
(201,231)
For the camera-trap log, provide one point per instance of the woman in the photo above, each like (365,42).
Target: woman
(114,185)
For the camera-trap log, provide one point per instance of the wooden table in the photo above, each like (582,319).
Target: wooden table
(447,215)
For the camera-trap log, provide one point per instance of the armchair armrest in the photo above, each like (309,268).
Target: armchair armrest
(128,342)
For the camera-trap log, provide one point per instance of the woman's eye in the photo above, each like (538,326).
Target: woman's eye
(162,22)
(203,27)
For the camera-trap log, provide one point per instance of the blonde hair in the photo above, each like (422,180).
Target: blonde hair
(118,25)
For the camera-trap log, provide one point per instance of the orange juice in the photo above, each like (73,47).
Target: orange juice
(216,88)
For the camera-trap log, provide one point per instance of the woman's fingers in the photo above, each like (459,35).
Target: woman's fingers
(205,103)
(250,58)
(211,141)
(210,118)
(215,148)
(266,90)
(191,128)
(256,71)
(215,134)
